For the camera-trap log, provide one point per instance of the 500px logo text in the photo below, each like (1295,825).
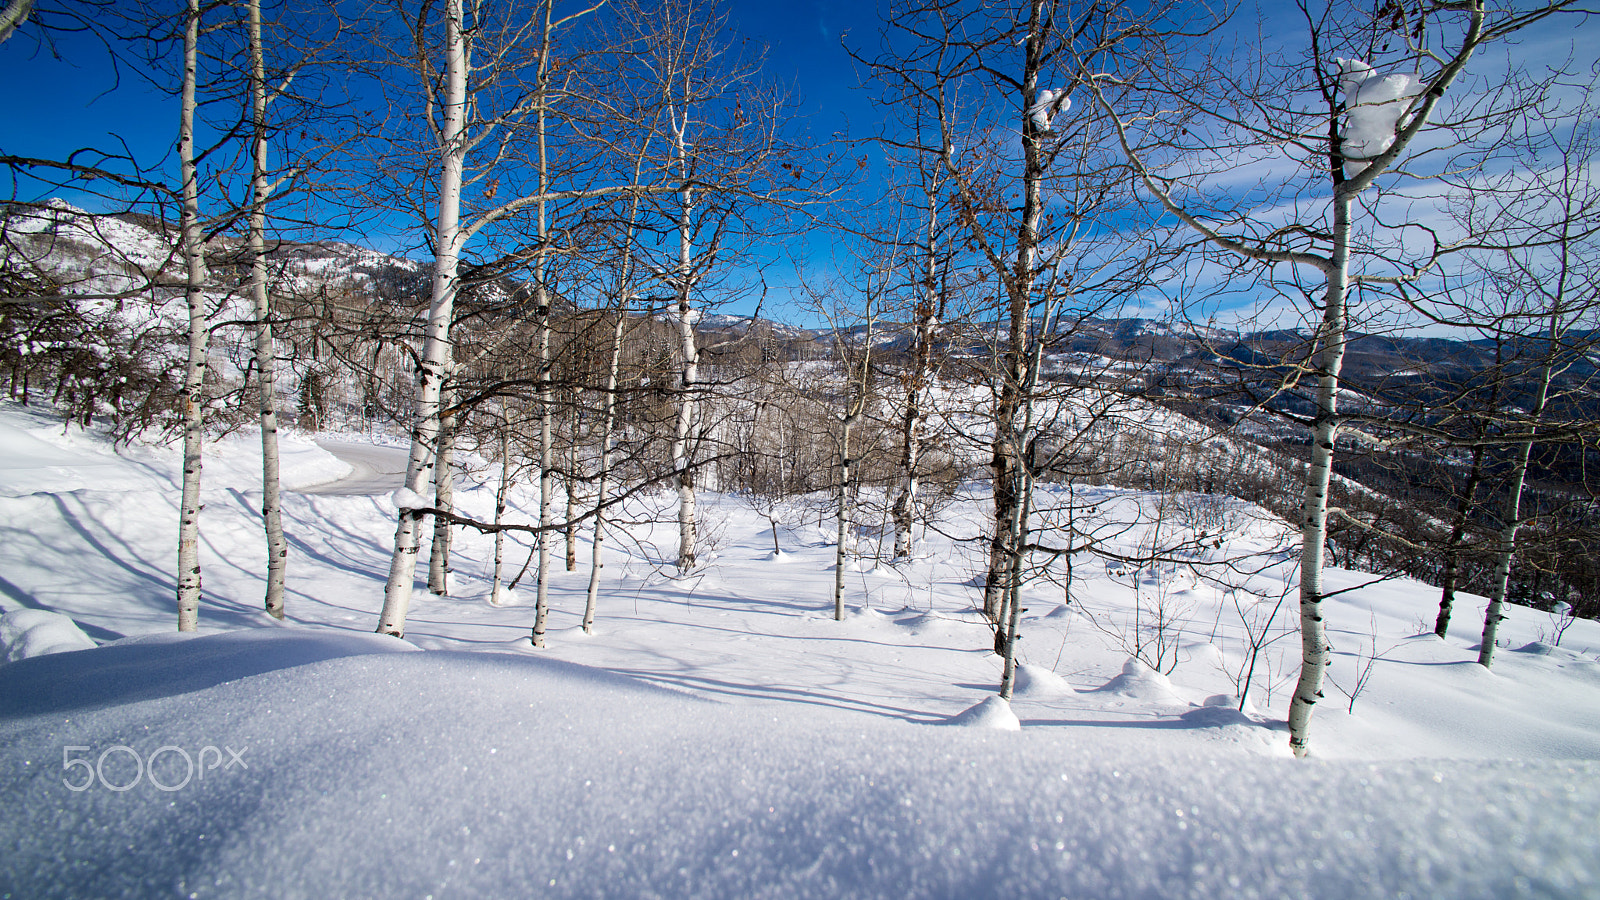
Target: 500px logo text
(120,768)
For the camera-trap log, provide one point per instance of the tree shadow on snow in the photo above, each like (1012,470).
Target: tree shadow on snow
(27,600)
(307,551)
(811,697)
(1195,719)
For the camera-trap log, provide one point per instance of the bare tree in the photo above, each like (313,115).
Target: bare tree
(478,60)
(1544,294)
(194,399)
(1039,198)
(265,90)
(13,16)
(722,146)
(1339,124)
(621,309)
(852,313)
(917,309)
(916,378)
(266,352)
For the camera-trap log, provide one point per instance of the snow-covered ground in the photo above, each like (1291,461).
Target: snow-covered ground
(720,735)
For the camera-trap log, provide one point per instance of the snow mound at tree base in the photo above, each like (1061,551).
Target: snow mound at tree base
(1140,682)
(992,713)
(502,774)
(1041,683)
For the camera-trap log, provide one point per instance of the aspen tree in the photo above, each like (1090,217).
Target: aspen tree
(460,98)
(448,238)
(926,317)
(195,275)
(444,480)
(622,306)
(1547,282)
(1346,120)
(722,148)
(266,358)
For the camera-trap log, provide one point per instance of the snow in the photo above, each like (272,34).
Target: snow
(992,713)
(1038,681)
(1139,681)
(1374,106)
(511,774)
(406,498)
(1048,104)
(45,457)
(37,632)
(721,735)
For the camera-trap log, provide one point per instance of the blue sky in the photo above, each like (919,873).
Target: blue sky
(77,98)
(72,97)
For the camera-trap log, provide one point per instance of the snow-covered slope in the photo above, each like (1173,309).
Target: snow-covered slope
(720,735)
(460,774)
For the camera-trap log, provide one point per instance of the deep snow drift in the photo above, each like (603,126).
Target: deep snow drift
(721,736)
(492,774)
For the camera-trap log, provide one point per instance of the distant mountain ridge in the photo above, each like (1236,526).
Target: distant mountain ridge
(106,254)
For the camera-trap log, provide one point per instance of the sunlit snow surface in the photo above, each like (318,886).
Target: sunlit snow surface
(498,774)
(720,735)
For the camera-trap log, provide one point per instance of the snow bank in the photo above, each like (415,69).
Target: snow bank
(406,498)
(43,454)
(37,632)
(493,775)
(300,461)
(159,665)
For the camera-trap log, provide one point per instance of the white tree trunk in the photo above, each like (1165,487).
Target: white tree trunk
(1013,601)
(436,343)
(1511,518)
(266,350)
(608,421)
(1006,464)
(1314,505)
(500,511)
(839,551)
(194,399)
(689,374)
(541,612)
(904,511)
(925,318)
(571,521)
(444,500)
